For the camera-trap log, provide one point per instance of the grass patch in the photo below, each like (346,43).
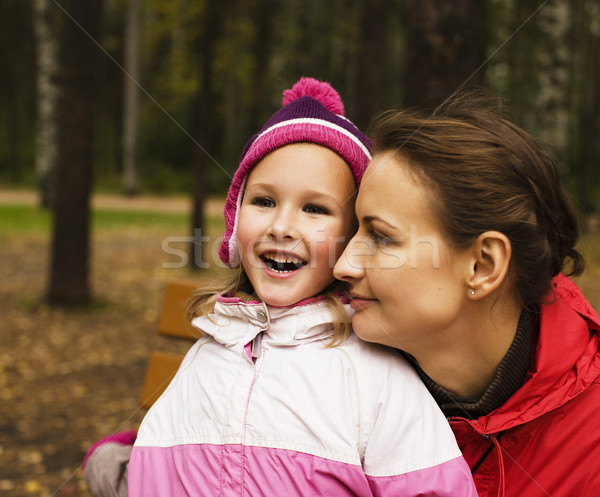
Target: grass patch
(114,220)
(21,219)
(25,219)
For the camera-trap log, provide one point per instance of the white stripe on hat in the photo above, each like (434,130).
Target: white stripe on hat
(319,122)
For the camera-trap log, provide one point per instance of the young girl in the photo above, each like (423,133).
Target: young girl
(278,398)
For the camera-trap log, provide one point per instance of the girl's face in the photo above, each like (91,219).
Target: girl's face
(405,279)
(296,217)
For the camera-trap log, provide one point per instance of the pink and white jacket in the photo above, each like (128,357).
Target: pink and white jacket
(261,407)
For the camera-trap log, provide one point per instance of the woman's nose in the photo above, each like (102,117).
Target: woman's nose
(350,265)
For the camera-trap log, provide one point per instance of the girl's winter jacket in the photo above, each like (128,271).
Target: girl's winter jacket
(262,407)
(545,440)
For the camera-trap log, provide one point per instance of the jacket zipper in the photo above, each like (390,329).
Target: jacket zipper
(495,439)
(487,452)
(257,360)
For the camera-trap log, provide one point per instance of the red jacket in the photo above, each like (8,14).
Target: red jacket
(545,440)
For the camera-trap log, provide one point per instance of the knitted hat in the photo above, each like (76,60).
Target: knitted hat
(312,112)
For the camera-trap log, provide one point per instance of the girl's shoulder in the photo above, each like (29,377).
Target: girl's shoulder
(376,358)
(387,383)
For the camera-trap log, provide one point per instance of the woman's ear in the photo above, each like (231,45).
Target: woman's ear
(491,255)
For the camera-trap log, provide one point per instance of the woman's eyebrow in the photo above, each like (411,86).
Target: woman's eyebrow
(377,219)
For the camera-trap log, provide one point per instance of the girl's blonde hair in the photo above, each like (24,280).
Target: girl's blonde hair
(237,284)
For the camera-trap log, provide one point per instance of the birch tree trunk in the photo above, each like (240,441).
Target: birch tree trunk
(587,146)
(47,99)
(131,99)
(552,70)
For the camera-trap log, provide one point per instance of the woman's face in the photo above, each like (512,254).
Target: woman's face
(407,283)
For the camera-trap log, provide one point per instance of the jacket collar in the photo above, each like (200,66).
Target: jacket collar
(566,360)
(234,323)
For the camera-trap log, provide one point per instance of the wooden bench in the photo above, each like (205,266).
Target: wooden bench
(162,365)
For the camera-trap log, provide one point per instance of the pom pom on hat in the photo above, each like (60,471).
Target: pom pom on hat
(319,90)
(312,112)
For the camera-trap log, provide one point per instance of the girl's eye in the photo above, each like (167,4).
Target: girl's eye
(263,202)
(315,209)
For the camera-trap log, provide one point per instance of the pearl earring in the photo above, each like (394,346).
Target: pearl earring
(471,291)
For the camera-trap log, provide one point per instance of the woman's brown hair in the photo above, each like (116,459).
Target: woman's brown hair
(487,174)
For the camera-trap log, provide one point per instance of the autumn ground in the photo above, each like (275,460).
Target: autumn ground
(69,377)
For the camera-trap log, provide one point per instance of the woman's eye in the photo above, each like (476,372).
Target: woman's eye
(315,209)
(378,238)
(263,202)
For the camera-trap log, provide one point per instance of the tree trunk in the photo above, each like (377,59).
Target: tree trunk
(262,52)
(371,65)
(206,43)
(552,102)
(47,98)
(588,148)
(446,47)
(131,98)
(69,282)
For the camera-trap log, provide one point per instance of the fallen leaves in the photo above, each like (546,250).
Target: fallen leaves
(68,378)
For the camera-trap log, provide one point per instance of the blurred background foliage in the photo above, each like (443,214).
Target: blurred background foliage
(159,96)
(542,56)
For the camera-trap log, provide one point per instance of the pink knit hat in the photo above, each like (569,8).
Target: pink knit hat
(312,112)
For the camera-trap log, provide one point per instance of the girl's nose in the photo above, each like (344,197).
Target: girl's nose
(350,266)
(284,225)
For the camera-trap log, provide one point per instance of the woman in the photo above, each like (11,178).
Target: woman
(464,232)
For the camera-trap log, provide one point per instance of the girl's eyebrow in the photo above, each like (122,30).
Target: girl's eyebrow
(258,185)
(321,196)
(313,194)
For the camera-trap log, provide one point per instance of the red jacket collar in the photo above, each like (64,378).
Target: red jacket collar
(566,361)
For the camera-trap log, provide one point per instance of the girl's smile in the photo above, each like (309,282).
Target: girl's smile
(283,263)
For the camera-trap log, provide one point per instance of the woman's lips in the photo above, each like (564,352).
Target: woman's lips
(359,302)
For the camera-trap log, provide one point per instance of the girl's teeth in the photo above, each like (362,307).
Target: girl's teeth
(282,264)
(286,260)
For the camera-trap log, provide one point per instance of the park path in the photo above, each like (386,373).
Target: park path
(149,203)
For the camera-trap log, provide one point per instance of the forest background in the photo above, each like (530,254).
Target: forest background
(160,95)
(215,71)
(121,123)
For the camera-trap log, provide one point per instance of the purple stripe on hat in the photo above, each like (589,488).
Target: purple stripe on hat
(306,107)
